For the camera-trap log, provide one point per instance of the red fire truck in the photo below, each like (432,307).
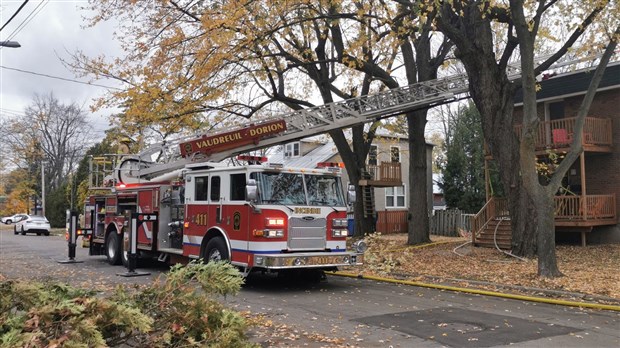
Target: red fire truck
(256,215)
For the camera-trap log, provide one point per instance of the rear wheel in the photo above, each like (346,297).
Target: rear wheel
(23,231)
(14,229)
(215,250)
(113,248)
(46,233)
(38,233)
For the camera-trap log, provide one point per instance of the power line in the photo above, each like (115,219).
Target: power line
(28,18)
(15,14)
(59,78)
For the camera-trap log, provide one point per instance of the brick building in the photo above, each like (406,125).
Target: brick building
(589,202)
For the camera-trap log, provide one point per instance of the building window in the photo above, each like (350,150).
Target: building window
(291,150)
(395,154)
(372,155)
(395,197)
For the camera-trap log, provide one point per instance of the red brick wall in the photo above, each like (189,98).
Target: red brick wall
(602,169)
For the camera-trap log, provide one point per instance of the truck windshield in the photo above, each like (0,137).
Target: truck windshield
(289,188)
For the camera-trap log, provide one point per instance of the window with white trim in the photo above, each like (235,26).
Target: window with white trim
(372,155)
(395,197)
(395,153)
(291,150)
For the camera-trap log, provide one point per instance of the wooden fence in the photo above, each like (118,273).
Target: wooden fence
(443,222)
(392,221)
(447,222)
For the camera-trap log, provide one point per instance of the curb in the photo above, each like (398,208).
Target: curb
(482,292)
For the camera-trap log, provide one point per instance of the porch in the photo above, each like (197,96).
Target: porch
(386,174)
(572,214)
(558,135)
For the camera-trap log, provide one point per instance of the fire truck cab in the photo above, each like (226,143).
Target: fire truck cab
(257,216)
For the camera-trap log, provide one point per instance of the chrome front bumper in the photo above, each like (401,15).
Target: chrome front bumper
(308,260)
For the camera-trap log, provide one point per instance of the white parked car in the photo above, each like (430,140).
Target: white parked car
(33,224)
(13,219)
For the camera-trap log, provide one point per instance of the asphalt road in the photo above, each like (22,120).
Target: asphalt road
(358,312)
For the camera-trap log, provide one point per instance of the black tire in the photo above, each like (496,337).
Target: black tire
(216,250)
(8,222)
(38,233)
(46,233)
(15,229)
(23,232)
(113,248)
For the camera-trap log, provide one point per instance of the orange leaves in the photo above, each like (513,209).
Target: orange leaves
(588,270)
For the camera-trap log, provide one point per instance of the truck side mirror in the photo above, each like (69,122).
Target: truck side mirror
(251,190)
(351,194)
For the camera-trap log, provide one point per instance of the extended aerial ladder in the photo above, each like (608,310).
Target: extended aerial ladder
(298,125)
(164,159)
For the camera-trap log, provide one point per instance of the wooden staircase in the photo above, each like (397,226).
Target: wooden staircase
(498,230)
(492,224)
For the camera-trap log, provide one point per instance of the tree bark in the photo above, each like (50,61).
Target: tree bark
(418,217)
(493,95)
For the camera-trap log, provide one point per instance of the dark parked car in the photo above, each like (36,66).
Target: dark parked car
(33,224)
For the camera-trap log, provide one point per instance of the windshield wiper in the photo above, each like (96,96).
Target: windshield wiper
(325,204)
(277,201)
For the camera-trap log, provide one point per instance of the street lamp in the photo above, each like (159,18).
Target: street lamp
(12,44)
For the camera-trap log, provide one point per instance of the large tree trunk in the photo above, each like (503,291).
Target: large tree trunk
(355,160)
(418,217)
(543,195)
(493,94)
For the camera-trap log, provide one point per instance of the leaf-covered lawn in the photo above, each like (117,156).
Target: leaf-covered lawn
(589,270)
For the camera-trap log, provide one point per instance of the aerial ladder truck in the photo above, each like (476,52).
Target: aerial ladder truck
(257,216)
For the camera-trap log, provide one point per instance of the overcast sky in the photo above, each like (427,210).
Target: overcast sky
(47,30)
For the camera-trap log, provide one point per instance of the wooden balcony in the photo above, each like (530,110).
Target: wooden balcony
(584,211)
(558,135)
(386,174)
(572,214)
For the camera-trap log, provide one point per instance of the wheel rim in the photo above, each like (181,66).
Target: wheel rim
(215,255)
(111,248)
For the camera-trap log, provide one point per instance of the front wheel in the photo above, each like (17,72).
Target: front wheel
(216,250)
(14,229)
(113,248)
(23,231)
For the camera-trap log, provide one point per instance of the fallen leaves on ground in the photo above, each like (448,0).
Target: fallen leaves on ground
(590,270)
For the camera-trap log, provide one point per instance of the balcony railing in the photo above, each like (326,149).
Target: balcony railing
(585,208)
(560,133)
(494,208)
(386,174)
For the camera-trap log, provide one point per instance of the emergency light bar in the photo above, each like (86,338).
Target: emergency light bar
(330,165)
(252,159)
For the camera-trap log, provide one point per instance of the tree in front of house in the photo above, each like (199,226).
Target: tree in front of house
(463,172)
(197,65)
(488,36)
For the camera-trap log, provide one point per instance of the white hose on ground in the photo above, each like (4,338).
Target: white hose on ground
(460,246)
(495,241)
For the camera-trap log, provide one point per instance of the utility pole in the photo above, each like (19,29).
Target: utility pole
(43,188)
